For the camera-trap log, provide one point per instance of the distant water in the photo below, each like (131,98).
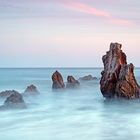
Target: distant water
(80,114)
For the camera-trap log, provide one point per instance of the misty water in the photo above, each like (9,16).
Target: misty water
(71,114)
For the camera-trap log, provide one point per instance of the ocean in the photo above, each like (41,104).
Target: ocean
(70,114)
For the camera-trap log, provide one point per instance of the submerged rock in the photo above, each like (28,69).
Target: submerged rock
(71,82)
(118,80)
(14,101)
(31,90)
(88,78)
(57,81)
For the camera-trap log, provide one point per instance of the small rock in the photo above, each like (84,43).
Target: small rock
(14,101)
(72,83)
(57,81)
(88,78)
(32,90)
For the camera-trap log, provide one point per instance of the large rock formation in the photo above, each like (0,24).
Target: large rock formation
(71,82)
(14,101)
(31,90)
(118,80)
(88,78)
(57,81)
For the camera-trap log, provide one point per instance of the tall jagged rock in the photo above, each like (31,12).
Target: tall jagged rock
(57,81)
(118,80)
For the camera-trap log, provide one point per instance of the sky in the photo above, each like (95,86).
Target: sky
(67,33)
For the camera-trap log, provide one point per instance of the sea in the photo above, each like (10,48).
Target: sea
(69,114)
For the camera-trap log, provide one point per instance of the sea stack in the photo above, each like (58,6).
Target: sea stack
(118,80)
(58,82)
(72,82)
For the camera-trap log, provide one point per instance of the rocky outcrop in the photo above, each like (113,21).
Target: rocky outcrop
(88,78)
(71,82)
(14,101)
(31,90)
(57,81)
(118,80)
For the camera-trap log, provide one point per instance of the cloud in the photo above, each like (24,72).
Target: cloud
(85,8)
(39,8)
(119,21)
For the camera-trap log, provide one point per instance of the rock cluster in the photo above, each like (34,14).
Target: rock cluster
(72,82)
(118,80)
(58,82)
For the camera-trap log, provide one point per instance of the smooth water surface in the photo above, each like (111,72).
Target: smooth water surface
(78,114)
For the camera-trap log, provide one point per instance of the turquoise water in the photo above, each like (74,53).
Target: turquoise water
(79,114)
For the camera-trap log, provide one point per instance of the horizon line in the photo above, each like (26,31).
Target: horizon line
(56,67)
(44,67)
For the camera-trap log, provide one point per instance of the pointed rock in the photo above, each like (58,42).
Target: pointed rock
(118,80)
(57,81)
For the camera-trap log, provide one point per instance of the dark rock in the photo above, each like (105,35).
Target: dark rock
(14,101)
(7,93)
(88,78)
(31,90)
(71,82)
(57,81)
(118,80)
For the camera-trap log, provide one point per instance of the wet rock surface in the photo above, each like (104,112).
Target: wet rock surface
(118,80)
(14,101)
(31,90)
(72,82)
(58,82)
(7,93)
(87,78)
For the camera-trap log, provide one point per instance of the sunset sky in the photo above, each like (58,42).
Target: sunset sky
(67,33)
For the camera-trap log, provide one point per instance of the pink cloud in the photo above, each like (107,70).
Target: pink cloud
(84,8)
(119,21)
